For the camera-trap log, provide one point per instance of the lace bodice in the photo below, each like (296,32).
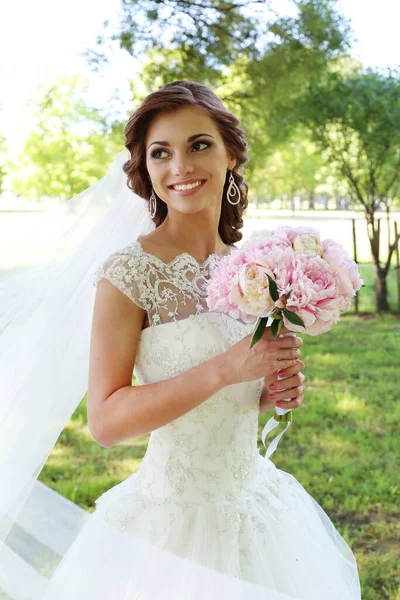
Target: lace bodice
(167,291)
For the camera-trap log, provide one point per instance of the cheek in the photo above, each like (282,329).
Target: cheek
(155,172)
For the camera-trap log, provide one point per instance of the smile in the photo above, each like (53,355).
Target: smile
(184,187)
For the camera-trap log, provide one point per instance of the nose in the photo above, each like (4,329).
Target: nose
(182,164)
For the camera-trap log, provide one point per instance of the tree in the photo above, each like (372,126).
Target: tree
(207,34)
(355,119)
(291,170)
(71,146)
(201,40)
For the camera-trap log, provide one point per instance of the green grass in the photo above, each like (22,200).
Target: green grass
(366,296)
(343,446)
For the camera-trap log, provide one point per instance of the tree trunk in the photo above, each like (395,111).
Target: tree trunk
(381,293)
(311,201)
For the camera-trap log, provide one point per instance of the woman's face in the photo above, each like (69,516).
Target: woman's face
(187,160)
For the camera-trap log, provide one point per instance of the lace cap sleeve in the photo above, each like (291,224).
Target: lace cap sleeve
(123,270)
(167,291)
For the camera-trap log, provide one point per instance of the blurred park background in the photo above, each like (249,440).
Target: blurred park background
(316,85)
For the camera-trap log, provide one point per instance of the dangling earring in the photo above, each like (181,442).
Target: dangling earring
(232,190)
(153,199)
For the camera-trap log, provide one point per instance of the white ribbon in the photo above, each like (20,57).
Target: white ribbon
(269,426)
(274,421)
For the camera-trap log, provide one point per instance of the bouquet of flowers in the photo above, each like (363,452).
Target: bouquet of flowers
(286,276)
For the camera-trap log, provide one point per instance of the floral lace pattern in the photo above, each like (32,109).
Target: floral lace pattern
(167,291)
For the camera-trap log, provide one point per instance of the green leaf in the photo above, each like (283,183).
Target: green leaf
(293,318)
(273,290)
(288,294)
(276,326)
(259,329)
(276,315)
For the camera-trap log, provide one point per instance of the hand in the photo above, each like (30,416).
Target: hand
(292,386)
(265,358)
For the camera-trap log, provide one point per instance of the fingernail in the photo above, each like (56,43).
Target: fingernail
(272,396)
(281,373)
(271,386)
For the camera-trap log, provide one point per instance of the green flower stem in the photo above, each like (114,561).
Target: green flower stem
(284,418)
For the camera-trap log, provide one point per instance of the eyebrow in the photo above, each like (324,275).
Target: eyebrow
(190,139)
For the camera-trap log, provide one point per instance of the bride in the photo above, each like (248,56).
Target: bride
(205,516)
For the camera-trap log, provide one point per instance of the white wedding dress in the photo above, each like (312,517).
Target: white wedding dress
(205,516)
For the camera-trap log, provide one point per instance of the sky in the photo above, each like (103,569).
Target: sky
(41,40)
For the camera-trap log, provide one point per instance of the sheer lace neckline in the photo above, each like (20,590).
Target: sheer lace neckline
(211,257)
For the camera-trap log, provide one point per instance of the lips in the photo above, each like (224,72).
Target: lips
(188,182)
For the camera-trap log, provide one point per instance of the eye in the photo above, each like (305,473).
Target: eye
(155,153)
(197,146)
(206,144)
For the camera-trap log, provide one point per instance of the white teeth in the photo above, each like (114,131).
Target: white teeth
(189,186)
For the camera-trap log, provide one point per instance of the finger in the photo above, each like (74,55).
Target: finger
(284,363)
(284,384)
(290,382)
(294,403)
(299,366)
(292,393)
(270,379)
(288,353)
(289,342)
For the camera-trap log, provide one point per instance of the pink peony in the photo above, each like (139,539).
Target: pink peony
(345,269)
(314,293)
(220,286)
(250,289)
(319,277)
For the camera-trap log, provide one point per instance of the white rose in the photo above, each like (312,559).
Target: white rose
(308,243)
(250,291)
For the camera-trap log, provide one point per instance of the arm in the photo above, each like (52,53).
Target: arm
(116,409)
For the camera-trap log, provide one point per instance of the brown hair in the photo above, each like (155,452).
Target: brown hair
(169,98)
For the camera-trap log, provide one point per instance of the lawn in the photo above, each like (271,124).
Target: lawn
(342,447)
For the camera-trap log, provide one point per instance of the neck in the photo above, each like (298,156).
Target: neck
(195,234)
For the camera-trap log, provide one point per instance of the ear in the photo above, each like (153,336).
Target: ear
(232,162)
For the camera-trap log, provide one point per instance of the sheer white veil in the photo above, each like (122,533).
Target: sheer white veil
(45,324)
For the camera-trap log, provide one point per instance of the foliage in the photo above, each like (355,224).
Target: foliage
(355,119)
(206,34)
(202,40)
(294,168)
(70,147)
